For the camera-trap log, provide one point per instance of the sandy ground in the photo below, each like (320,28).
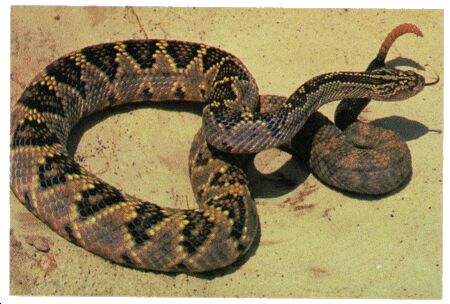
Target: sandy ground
(314,241)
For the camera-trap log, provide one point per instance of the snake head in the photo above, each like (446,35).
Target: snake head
(394,84)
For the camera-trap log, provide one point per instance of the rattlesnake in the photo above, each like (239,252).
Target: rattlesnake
(236,120)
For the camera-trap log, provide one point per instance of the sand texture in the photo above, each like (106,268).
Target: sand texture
(315,242)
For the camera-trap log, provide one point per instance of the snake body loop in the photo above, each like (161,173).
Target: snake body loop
(117,226)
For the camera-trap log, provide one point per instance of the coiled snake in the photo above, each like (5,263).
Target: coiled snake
(236,120)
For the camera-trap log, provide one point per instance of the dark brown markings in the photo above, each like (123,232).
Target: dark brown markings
(223,91)
(179,93)
(212,57)
(196,232)
(203,92)
(236,211)
(241,247)
(200,193)
(238,225)
(232,175)
(226,146)
(201,161)
(103,57)
(55,169)
(69,232)
(66,70)
(97,199)
(229,69)
(182,53)
(181,267)
(40,98)
(27,200)
(223,117)
(127,260)
(142,51)
(148,216)
(32,133)
(232,159)
(147,94)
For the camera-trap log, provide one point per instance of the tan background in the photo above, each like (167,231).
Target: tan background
(315,241)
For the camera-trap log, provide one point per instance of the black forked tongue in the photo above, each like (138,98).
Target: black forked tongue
(433,82)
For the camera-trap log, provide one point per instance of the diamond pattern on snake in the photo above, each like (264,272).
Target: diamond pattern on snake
(237,121)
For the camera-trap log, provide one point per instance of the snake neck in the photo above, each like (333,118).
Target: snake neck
(326,88)
(329,87)
(238,132)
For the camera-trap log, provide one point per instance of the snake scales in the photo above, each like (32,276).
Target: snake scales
(236,120)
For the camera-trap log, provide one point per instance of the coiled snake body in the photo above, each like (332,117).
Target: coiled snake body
(104,220)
